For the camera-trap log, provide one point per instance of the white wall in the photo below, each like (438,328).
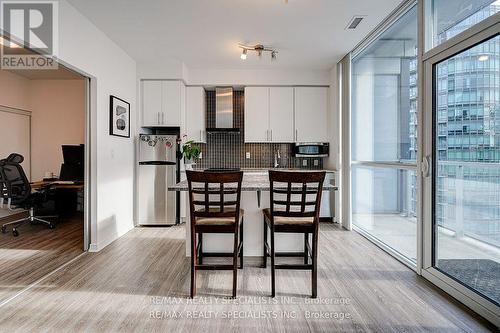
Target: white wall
(86,49)
(164,69)
(175,69)
(14,91)
(57,118)
(113,72)
(333,119)
(256,77)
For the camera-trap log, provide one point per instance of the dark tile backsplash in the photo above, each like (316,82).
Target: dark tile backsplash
(228,149)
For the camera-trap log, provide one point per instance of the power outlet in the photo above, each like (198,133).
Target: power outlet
(247,155)
(316,162)
(304,163)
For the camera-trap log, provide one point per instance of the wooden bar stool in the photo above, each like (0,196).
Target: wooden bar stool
(221,214)
(292,210)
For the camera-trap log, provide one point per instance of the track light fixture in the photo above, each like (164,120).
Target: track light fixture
(259,48)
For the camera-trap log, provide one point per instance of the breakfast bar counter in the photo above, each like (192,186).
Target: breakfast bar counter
(255,193)
(252,181)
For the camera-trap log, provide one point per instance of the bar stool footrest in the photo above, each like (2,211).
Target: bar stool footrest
(294,266)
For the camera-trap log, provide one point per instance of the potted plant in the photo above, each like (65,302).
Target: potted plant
(190,152)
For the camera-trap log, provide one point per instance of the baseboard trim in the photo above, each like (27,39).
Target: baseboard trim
(99,246)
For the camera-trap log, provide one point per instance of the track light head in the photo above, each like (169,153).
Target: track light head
(259,48)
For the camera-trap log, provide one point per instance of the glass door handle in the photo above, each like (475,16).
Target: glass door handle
(426,166)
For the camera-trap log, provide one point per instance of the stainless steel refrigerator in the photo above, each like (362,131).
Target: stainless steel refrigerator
(157,170)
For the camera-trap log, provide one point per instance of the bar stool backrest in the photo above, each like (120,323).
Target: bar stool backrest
(296,194)
(214,194)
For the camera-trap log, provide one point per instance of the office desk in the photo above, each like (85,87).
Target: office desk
(55,185)
(68,197)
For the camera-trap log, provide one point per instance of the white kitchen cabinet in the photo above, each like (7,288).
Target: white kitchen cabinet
(195,114)
(162,103)
(257,114)
(151,103)
(311,109)
(172,103)
(281,114)
(269,114)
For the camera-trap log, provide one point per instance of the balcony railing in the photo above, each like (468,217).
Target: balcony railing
(471,192)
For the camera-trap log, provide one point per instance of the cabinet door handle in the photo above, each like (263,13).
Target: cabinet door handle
(158,118)
(271,135)
(163,118)
(201,135)
(296,134)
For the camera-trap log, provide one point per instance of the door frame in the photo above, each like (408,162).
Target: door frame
(473,36)
(90,178)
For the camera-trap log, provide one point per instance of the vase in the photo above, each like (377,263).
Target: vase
(188,164)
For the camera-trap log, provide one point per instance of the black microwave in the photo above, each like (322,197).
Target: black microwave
(311,149)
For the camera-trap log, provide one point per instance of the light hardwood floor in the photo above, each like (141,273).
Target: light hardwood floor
(142,277)
(36,252)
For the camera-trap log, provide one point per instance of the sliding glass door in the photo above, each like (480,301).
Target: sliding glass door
(462,184)
(421,115)
(383,138)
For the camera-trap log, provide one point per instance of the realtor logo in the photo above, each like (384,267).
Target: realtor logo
(29,34)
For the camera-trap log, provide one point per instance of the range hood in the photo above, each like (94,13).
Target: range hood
(224,113)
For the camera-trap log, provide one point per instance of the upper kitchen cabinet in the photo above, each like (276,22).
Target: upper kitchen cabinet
(311,108)
(162,103)
(269,114)
(281,114)
(151,103)
(257,114)
(195,114)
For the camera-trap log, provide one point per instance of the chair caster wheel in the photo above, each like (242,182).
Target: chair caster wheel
(52,226)
(4,229)
(15,232)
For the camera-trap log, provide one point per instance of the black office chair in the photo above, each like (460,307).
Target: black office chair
(15,188)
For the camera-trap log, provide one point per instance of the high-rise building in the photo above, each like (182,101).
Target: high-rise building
(468,135)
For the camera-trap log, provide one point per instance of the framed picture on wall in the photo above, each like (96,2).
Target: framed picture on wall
(119,117)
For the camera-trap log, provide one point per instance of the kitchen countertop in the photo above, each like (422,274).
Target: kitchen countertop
(265,170)
(252,181)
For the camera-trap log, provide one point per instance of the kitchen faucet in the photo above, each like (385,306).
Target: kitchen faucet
(277,158)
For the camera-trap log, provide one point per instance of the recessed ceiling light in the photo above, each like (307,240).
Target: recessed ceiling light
(483,57)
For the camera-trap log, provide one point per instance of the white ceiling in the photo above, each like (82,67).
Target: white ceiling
(309,34)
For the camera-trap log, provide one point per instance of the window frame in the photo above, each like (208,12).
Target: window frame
(475,35)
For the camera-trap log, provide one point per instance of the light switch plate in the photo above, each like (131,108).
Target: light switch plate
(316,162)
(248,155)
(304,163)
(201,155)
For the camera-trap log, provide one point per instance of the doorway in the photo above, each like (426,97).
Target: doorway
(48,117)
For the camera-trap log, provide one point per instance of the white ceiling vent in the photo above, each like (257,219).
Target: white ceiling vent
(354,22)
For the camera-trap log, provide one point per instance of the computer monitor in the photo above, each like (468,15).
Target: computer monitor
(73,154)
(73,168)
